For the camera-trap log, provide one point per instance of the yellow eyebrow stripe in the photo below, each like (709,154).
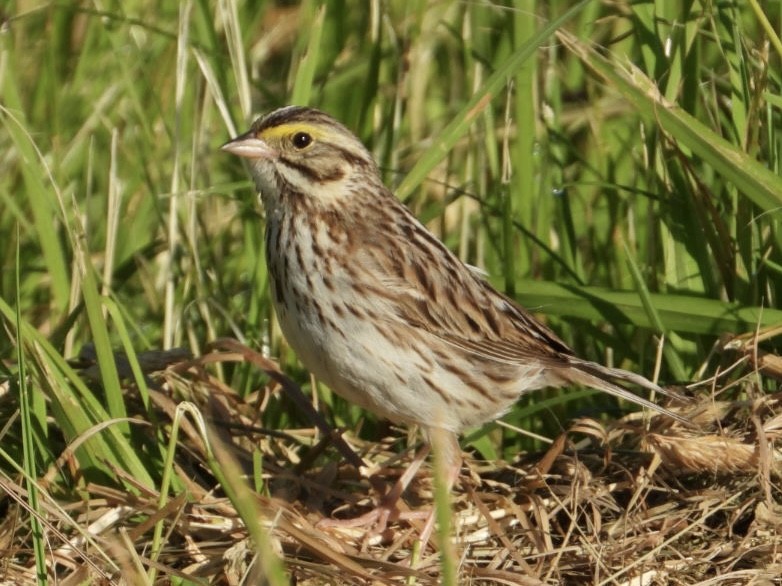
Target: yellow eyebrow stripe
(289,129)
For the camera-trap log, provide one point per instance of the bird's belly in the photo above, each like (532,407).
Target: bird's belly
(347,360)
(397,371)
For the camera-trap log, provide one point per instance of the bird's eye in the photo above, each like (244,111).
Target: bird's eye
(302,140)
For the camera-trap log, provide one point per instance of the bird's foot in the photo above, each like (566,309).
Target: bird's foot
(387,510)
(376,520)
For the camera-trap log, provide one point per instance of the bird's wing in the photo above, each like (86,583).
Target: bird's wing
(428,287)
(488,324)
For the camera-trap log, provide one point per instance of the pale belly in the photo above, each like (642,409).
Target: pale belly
(401,382)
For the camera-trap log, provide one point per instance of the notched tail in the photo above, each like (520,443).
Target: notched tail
(606,379)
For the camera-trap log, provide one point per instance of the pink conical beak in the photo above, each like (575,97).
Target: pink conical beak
(248,146)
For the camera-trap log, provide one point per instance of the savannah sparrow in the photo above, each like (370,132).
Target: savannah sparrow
(377,307)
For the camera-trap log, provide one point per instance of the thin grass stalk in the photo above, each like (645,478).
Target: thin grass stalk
(28,443)
(673,359)
(462,121)
(301,93)
(441,448)
(522,195)
(171,315)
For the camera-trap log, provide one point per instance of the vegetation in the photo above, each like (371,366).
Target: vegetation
(612,165)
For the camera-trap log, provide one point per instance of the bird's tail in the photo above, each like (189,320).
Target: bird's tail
(606,379)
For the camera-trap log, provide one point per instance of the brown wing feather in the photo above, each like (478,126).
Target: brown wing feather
(431,289)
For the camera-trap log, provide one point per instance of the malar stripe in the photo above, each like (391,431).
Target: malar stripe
(289,194)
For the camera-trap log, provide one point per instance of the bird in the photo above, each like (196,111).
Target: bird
(380,310)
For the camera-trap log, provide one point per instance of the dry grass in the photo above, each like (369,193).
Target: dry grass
(636,501)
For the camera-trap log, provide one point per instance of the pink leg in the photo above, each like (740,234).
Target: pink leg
(450,456)
(451,463)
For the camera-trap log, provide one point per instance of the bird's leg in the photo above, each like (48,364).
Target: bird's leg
(449,458)
(448,464)
(386,509)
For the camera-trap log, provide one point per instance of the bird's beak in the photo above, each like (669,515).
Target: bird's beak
(249,147)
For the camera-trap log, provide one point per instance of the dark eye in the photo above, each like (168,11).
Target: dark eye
(302,140)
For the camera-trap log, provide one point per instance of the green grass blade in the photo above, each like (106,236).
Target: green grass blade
(758,183)
(521,200)
(42,204)
(305,74)
(670,350)
(29,451)
(463,120)
(75,408)
(93,305)
(681,313)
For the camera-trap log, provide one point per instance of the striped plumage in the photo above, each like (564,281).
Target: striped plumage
(376,306)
